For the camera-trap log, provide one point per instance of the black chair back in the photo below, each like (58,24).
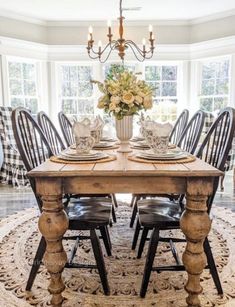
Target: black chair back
(66,128)
(31,142)
(192,133)
(179,127)
(50,132)
(217,143)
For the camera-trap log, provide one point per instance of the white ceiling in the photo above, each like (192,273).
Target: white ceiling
(81,10)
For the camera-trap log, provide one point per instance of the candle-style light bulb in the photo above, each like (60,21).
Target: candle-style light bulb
(109,23)
(90,30)
(144,41)
(150,28)
(99,44)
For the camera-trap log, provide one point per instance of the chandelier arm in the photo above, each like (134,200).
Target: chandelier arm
(130,42)
(108,55)
(93,57)
(136,55)
(114,42)
(133,47)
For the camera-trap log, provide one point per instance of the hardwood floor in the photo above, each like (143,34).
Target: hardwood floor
(14,199)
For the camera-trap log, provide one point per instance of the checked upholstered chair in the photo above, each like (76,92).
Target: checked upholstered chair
(13,171)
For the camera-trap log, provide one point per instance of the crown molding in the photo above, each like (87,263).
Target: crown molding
(18,17)
(213,17)
(102,23)
(195,51)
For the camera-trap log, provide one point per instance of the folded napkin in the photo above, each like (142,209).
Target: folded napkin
(158,129)
(82,128)
(97,124)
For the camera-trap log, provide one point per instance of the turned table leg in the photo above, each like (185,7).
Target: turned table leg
(195,224)
(53,223)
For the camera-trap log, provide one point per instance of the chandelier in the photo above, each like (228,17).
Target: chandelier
(121,44)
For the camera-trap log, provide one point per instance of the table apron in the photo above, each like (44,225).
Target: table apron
(125,184)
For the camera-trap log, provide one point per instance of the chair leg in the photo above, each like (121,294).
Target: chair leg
(106,239)
(99,261)
(149,261)
(136,235)
(114,200)
(132,200)
(114,214)
(222,183)
(134,212)
(212,266)
(142,242)
(36,263)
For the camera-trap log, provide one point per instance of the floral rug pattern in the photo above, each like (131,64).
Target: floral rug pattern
(19,238)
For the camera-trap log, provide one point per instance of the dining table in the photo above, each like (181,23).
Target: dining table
(195,179)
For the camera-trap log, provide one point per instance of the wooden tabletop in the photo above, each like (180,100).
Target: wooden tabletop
(122,166)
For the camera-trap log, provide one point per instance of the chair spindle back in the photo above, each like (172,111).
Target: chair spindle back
(179,127)
(66,128)
(51,133)
(192,133)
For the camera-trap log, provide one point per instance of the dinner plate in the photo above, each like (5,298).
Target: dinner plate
(108,139)
(172,154)
(103,145)
(73,153)
(137,139)
(140,145)
(99,156)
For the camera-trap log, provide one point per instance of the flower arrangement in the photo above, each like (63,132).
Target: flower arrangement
(124,94)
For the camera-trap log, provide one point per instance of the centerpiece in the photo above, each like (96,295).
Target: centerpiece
(124,96)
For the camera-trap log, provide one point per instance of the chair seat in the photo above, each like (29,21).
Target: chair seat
(88,213)
(158,213)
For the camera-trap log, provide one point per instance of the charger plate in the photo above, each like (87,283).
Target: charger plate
(63,161)
(187,159)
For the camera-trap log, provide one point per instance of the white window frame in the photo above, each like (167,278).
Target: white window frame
(96,76)
(179,82)
(6,80)
(199,78)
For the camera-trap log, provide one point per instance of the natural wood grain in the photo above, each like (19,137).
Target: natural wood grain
(124,176)
(125,184)
(52,224)
(122,165)
(195,224)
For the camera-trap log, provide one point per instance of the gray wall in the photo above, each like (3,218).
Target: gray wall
(70,35)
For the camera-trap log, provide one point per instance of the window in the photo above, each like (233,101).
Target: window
(164,81)
(23,85)
(77,94)
(214,88)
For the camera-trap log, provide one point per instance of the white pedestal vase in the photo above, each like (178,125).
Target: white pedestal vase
(124,131)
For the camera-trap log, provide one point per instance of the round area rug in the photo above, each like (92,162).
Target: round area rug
(19,238)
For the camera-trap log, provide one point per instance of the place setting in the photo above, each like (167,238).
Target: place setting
(156,147)
(87,141)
